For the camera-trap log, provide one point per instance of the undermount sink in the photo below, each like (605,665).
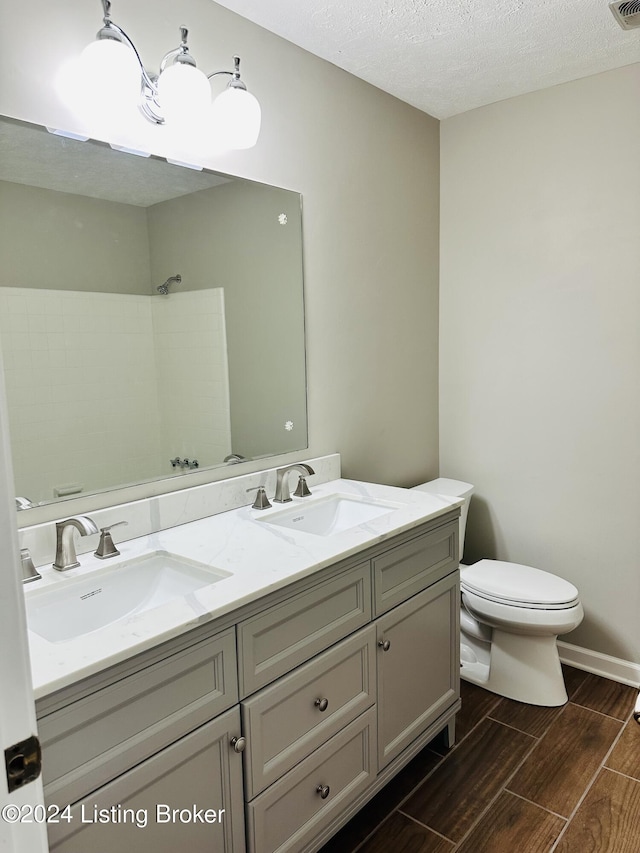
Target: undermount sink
(330,515)
(77,606)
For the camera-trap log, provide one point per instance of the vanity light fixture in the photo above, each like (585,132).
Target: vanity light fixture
(109,78)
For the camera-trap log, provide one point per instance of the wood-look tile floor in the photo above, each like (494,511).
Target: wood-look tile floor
(519,778)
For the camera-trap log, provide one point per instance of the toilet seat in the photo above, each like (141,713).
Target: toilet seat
(518,585)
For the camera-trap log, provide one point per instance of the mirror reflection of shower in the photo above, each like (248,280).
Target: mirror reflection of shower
(164,288)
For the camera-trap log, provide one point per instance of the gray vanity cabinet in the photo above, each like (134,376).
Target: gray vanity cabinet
(288,714)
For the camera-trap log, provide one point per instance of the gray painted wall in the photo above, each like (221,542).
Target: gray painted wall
(540,339)
(49,239)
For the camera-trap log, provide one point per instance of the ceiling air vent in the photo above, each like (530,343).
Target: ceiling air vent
(627,14)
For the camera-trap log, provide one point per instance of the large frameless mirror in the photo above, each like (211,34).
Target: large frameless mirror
(151,316)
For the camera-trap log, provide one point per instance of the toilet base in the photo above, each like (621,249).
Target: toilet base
(524,668)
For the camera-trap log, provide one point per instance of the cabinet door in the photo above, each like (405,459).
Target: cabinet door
(418,665)
(189,796)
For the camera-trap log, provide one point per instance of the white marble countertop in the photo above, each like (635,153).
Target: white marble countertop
(259,556)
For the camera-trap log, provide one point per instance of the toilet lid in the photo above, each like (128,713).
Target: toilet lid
(514,583)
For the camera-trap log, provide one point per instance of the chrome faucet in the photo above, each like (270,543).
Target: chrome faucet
(282,494)
(65,547)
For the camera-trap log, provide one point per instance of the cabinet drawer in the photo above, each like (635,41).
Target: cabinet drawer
(283,724)
(292,811)
(409,568)
(104,734)
(200,772)
(274,642)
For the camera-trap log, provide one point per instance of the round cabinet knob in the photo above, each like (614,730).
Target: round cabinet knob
(238,744)
(321,704)
(323,790)
(385,645)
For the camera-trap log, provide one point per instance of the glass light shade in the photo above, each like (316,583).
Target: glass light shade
(111,74)
(183,93)
(101,86)
(71,85)
(236,117)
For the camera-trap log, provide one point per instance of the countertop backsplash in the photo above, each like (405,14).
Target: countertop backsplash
(151,515)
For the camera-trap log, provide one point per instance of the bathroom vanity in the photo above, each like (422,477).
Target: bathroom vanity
(264,726)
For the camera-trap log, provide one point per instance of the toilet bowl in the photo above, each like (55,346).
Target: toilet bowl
(510,618)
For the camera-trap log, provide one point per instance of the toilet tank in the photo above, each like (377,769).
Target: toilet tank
(452,489)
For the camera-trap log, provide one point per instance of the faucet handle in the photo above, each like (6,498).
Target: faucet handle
(106,547)
(261,501)
(302,490)
(29,572)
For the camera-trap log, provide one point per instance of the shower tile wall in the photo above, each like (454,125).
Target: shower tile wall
(81,390)
(192,375)
(84,389)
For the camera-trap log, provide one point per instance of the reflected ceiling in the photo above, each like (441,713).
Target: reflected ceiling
(25,158)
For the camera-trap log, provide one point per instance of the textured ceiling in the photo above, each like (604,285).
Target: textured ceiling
(449,56)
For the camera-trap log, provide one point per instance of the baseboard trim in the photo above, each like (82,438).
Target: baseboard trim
(605,665)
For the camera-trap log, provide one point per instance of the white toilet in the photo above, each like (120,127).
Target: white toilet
(510,617)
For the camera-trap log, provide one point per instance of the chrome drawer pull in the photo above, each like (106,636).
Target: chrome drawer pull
(321,704)
(385,645)
(323,790)
(238,744)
